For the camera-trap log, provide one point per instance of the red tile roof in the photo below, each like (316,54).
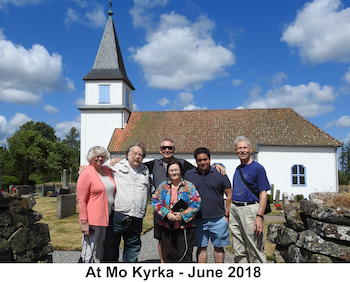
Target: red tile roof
(217,129)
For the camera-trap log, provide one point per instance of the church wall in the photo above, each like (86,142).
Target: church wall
(97,128)
(320,166)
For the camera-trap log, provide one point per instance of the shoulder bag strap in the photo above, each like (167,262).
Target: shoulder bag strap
(247,184)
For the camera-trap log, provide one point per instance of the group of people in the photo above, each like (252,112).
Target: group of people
(192,205)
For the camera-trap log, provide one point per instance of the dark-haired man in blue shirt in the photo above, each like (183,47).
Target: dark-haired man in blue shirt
(212,219)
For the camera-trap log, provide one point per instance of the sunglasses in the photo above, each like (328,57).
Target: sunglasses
(167,147)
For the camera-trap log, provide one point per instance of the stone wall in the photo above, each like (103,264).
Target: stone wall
(313,232)
(22,237)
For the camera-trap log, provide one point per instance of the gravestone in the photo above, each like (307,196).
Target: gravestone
(65,179)
(277,200)
(47,188)
(66,205)
(285,197)
(20,190)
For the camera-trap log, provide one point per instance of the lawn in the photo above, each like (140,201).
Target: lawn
(65,233)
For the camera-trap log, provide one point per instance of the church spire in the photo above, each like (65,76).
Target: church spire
(109,63)
(110,12)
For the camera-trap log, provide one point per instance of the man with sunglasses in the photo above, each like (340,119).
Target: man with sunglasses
(158,168)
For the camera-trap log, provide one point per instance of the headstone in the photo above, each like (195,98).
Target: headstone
(66,205)
(285,198)
(277,200)
(47,188)
(272,190)
(23,190)
(65,179)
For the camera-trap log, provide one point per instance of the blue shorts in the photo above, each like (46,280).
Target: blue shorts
(216,229)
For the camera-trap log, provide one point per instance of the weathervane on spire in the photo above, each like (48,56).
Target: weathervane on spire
(110,12)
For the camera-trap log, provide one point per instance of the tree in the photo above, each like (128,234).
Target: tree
(73,143)
(44,129)
(345,158)
(29,150)
(344,174)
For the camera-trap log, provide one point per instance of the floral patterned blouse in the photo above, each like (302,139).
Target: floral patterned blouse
(187,192)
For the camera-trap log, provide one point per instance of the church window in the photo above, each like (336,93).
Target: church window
(104,94)
(127,98)
(298,175)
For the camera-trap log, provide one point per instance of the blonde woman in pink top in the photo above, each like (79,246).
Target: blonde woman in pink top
(95,190)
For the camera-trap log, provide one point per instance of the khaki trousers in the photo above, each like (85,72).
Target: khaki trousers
(243,236)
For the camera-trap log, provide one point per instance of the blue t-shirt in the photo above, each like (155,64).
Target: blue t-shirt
(211,187)
(255,174)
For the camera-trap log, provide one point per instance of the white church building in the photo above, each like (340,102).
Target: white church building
(299,157)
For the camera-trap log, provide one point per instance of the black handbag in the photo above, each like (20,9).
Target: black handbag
(268,207)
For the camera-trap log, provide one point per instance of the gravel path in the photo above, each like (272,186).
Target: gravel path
(149,249)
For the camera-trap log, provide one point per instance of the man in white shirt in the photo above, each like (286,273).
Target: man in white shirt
(130,204)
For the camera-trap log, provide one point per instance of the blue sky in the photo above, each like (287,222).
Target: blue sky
(179,55)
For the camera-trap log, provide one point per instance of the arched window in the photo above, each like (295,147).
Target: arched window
(298,175)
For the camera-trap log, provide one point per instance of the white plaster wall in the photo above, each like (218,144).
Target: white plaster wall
(320,164)
(97,127)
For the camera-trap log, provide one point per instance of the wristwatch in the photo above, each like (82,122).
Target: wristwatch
(260,215)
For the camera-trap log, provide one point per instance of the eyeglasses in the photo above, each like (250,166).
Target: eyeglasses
(167,147)
(134,153)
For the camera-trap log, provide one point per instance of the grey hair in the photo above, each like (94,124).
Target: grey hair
(97,151)
(240,139)
(138,144)
(166,139)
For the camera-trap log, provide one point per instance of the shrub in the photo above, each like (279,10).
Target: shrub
(300,197)
(8,180)
(270,198)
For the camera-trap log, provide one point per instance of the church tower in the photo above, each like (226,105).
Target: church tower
(108,94)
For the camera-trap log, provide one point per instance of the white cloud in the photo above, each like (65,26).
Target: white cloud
(163,102)
(278,78)
(346,139)
(186,56)
(346,77)
(142,17)
(62,128)
(51,109)
(3,3)
(342,122)
(185,101)
(94,16)
(7,129)
(321,32)
(18,120)
(70,84)
(79,102)
(308,100)
(19,97)
(26,73)
(135,107)
(237,82)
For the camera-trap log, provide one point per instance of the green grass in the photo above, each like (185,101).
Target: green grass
(65,233)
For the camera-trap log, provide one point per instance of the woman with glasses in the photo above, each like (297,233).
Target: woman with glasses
(95,192)
(177,201)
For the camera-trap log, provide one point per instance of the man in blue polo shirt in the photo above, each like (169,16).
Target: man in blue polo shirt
(247,210)
(212,219)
